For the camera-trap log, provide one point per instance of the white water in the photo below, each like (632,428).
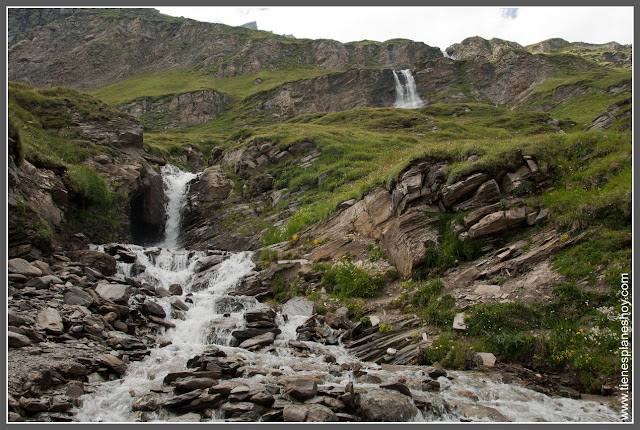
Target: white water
(213,315)
(406,93)
(175,183)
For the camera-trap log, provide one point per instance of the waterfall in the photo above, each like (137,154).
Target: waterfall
(175,183)
(213,314)
(406,93)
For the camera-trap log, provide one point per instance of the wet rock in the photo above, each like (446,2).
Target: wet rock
(485,359)
(252,286)
(264,313)
(253,332)
(100,261)
(149,307)
(436,371)
(190,417)
(43,282)
(16,340)
(175,289)
(179,305)
(181,400)
(258,341)
(23,267)
(162,292)
(298,306)
(74,390)
(161,321)
(49,320)
(231,409)
(190,384)
(430,385)
(113,363)
(397,386)
(483,413)
(174,376)
(77,296)
(386,406)
(301,388)
(263,399)
(148,403)
(118,293)
(568,392)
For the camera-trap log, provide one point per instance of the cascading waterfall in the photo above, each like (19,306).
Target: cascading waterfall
(175,183)
(213,315)
(406,93)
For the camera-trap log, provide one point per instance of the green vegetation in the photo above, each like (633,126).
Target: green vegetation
(156,85)
(434,308)
(349,281)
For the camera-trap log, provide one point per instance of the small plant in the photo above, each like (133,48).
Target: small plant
(385,328)
(268,255)
(348,280)
(320,309)
(377,254)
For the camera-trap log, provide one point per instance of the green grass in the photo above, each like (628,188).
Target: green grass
(156,85)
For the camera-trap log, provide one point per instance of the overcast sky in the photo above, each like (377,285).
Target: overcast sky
(435,26)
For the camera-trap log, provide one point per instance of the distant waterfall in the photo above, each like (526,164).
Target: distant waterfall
(406,94)
(175,184)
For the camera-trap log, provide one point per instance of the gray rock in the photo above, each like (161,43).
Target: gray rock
(77,296)
(23,267)
(483,413)
(456,192)
(100,261)
(49,320)
(149,307)
(485,359)
(487,193)
(258,341)
(118,293)
(458,322)
(386,406)
(148,403)
(112,362)
(190,384)
(301,388)
(16,340)
(175,289)
(263,313)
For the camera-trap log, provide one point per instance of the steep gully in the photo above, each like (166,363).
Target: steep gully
(262,383)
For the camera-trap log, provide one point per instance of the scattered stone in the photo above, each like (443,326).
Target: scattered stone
(114,363)
(16,340)
(118,293)
(23,267)
(77,296)
(301,388)
(149,307)
(190,384)
(430,385)
(49,320)
(436,371)
(100,261)
(397,386)
(43,282)
(458,322)
(568,392)
(259,341)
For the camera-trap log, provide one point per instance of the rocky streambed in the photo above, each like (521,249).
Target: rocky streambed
(126,333)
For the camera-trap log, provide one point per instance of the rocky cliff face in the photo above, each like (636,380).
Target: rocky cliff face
(180,110)
(90,48)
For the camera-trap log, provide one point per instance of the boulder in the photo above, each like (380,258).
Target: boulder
(308,413)
(301,388)
(211,185)
(263,313)
(148,403)
(407,239)
(100,261)
(16,340)
(175,289)
(149,307)
(489,224)
(112,362)
(386,406)
(231,408)
(190,384)
(49,320)
(43,282)
(483,413)
(485,359)
(258,341)
(118,293)
(78,296)
(23,267)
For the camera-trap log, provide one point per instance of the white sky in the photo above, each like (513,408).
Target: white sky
(435,26)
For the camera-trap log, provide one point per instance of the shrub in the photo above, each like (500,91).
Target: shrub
(90,187)
(348,280)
